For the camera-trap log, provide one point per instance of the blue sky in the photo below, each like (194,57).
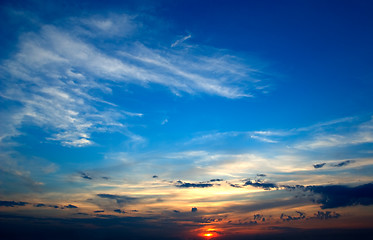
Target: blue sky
(145,110)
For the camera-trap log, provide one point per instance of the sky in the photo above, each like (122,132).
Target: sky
(186,119)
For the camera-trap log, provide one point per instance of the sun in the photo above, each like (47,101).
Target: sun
(208,234)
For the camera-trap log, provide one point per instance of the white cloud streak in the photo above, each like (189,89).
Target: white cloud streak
(179,41)
(54,71)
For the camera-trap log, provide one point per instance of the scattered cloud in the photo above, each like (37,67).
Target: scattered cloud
(181,184)
(325,215)
(288,218)
(344,163)
(119,211)
(194,209)
(12,204)
(70,206)
(260,184)
(319,165)
(85,176)
(120,199)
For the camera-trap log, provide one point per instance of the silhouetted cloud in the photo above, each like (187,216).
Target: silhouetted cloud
(341,196)
(119,198)
(234,185)
(216,180)
(319,165)
(70,206)
(176,211)
(288,218)
(119,211)
(82,214)
(85,176)
(39,205)
(261,175)
(260,184)
(325,215)
(194,209)
(98,211)
(181,184)
(259,217)
(344,163)
(105,178)
(12,203)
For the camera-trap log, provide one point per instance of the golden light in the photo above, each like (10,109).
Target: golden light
(208,234)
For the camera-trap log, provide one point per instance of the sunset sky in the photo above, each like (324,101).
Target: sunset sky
(186,119)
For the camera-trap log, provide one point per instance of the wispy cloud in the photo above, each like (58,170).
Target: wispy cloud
(55,71)
(352,134)
(179,41)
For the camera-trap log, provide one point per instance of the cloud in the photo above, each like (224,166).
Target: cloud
(260,184)
(353,134)
(194,209)
(70,206)
(288,218)
(319,165)
(119,211)
(325,215)
(179,41)
(344,163)
(216,180)
(99,211)
(60,77)
(181,184)
(120,199)
(12,204)
(40,205)
(335,196)
(85,176)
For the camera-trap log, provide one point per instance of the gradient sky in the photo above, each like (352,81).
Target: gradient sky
(186,119)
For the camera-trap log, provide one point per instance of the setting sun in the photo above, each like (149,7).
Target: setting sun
(208,235)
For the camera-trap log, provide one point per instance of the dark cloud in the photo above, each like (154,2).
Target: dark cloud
(39,205)
(82,214)
(325,215)
(85,176)
(70,206)
(155,176)
(211,220)
(216,180)
(121,200)
(176,211)
(194,209)
(105,178)
(44,205)
(342,196)
(344,163)
(99,211)
(261,175)
(234,185)
(119,211)
(259,217)
(260,184)
(181,184)
(288,218)
(319,165)
(12,203)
